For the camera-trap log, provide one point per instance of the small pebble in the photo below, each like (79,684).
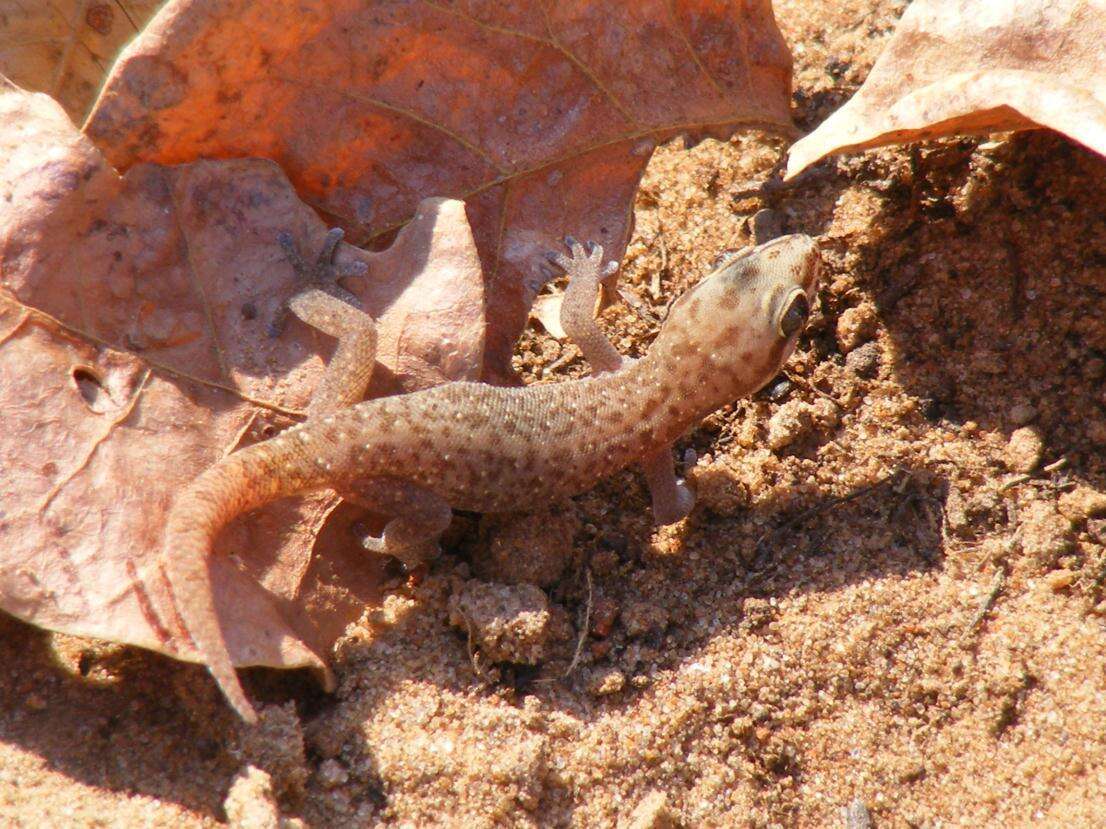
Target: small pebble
(767,225)
(778,389)
(855,327)
(1059,580)
(864,361)
(1082,503)
(604,681)
(604,612)
(791,422)
(1046,534)
(332,774)
(1024,450)
(653,813)
(1021,414)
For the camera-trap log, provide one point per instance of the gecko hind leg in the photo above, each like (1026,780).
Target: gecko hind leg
(419,517)
(323,304)
(323,274)
(350,368)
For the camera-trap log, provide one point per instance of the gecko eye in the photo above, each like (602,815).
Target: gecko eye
(795,314)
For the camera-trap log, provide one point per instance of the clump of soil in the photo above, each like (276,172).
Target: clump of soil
(890,599)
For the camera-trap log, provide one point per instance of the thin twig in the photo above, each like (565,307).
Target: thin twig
(569,353)
(832,502)
(1018,480)
(655,282)
(771,182)
(803,382)
(638,306)
(476,669)
(988,602)
(1055,465)
(583,631)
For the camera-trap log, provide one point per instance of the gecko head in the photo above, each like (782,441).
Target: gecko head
(741,322)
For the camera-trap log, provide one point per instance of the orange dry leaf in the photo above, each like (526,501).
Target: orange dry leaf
(540,115)
(134,353)
(975,66)
(65,47)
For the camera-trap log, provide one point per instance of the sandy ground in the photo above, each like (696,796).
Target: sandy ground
(890,599)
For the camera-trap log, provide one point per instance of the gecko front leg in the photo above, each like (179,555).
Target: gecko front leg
(585,275)
(323,274)
(323,304)
(672,498)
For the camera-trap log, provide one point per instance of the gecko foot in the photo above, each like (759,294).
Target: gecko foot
(678,507)
(583,258)
(412,556)
(323,273)
(685,490)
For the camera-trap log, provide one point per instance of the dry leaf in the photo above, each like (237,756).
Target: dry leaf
(134,353)
(957,67)
(65,47)
(540,115)
(547,310)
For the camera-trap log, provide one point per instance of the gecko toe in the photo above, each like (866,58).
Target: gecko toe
(685,499)
(330,244)
(559,259)
(347,269)
(680,508)
(575,247)
(323,274)
(278,321)
(373,543)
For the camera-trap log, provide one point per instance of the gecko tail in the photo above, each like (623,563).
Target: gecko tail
(193,523)
(186,564)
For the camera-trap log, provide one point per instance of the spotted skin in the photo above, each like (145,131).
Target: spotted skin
(473,446)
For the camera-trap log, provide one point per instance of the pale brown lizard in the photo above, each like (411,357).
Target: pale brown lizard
(486,448)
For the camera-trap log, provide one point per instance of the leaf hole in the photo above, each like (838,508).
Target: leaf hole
(92,388)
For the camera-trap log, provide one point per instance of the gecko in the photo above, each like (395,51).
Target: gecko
(473,446)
